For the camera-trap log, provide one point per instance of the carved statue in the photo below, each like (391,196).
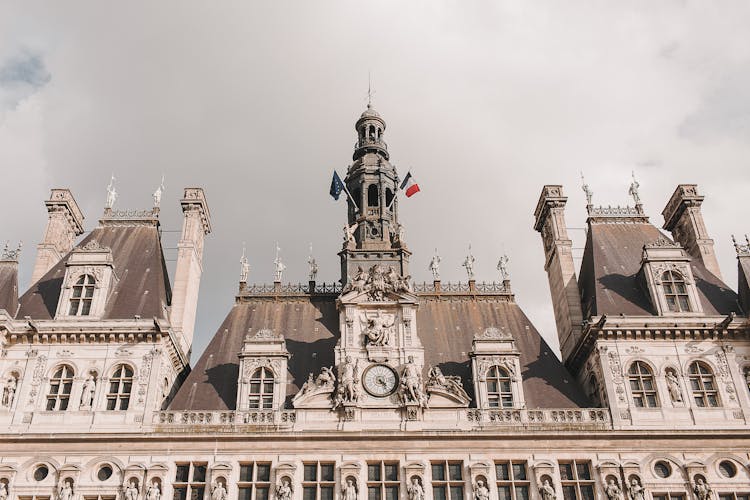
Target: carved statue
(3,491)
(349,489)
(673,384)
(312,268)
(613,491)
(480,490)
(547,491)
(244,267)
(284,490)
(636,491)
(633,191)
(450,383)
(159,191)
(153,492)
(131,492)
(326,377)
(414,490)
(218,492)
(359,281)
(378,282)
(587,190)
(435,266)
(348,379)
(469,264)
(349,233)
(308,385)
(278,268)
(398,234)
(702,490)
(378,332)
(87,392)
(111,193)
(411,384)
(9,392)
(502,266)
(66,491)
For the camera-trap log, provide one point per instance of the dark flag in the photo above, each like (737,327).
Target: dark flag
(336,186)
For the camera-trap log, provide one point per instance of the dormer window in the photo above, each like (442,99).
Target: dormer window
(83,293)
(499,389)
(675,292)
(261,389)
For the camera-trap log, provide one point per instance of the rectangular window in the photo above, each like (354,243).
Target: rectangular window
(255,481)
(447,480)
(512,480)
(577,482)
(317,481)
(189,481)
(382,481)
(669,496)
(734,496)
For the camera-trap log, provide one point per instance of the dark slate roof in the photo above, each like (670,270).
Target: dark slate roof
(142,284)
(743,283)
(310,327)
(609,282)
(9,286)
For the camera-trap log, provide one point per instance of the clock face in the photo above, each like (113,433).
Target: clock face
(380,380)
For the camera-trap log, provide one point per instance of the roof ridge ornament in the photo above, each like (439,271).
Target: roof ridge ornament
(312,265)
(633,190)
(244,266)
(278,265)
(743,250)
(469,264)
(502,266)
(111,193)
(589,194)
(11,255)
(158,193)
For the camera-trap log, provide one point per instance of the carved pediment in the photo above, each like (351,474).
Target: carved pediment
(377,284)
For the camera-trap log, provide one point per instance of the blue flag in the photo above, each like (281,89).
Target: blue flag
(336,186)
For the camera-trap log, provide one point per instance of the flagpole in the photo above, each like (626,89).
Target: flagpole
(395,192)
(349,195)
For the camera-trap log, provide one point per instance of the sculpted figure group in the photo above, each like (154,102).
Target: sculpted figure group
(377,282)
(378,332)
(449,383)
(411,384)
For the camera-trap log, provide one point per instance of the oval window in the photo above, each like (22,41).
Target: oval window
(662,469)
(727,468)
(105,472)
(41,473)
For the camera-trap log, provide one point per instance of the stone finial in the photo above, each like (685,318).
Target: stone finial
(11,255)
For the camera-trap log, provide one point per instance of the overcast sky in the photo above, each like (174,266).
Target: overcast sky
(484,101)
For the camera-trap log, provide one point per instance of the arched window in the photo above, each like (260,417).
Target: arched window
(388,197)
(499,391)
(83,292)
(703,386)
(372,196)
(261,389)
(675,292)
(59,388)
(642,385)
(120,386)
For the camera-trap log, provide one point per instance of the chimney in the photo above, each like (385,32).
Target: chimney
(566,300)
(683,218)
(64,224)
(196,225)
(9,280)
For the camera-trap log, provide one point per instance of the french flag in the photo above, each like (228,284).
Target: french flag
(409,186)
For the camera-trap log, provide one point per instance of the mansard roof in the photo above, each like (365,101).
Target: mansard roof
(310,325)
(141,284)
(609,282)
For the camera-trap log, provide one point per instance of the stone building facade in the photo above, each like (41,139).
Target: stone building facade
(374,387)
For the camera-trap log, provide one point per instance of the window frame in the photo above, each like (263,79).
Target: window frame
(576,482)
(669,495)
(62,382)
(82,296)
(640,394)
(319,484)
(448,483)
(119,398)
(262,398)
(513,483)
(674,286)
(382,483)
(255,483)
(697,381)
(189,485)
(499,398)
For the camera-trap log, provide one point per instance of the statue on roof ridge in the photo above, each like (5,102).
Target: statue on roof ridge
(435,266)
(111,193)
(469,264)
(633,190)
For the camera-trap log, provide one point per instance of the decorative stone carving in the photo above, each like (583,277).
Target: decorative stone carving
(673,385)
(480,490)
(8,393)
(378,282)
(411,391)
(65,492)
(348,383)
(437,382)
(284,490)
(349,234)
(131,491)
(265,334)
(349,490)
(218,491)
(415,490)
(702,489)
(612,490)
(493,333)
(322,384)
(3,491)
(615,368)
(377,330)
(506,362)
(547,491)
(636,491)
(153,492)
(36,380)
(87,393)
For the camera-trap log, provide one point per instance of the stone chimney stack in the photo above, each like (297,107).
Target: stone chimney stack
(9,280)
(566,300)
(64,224)
(743,276)
(196,225)
(683,218)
